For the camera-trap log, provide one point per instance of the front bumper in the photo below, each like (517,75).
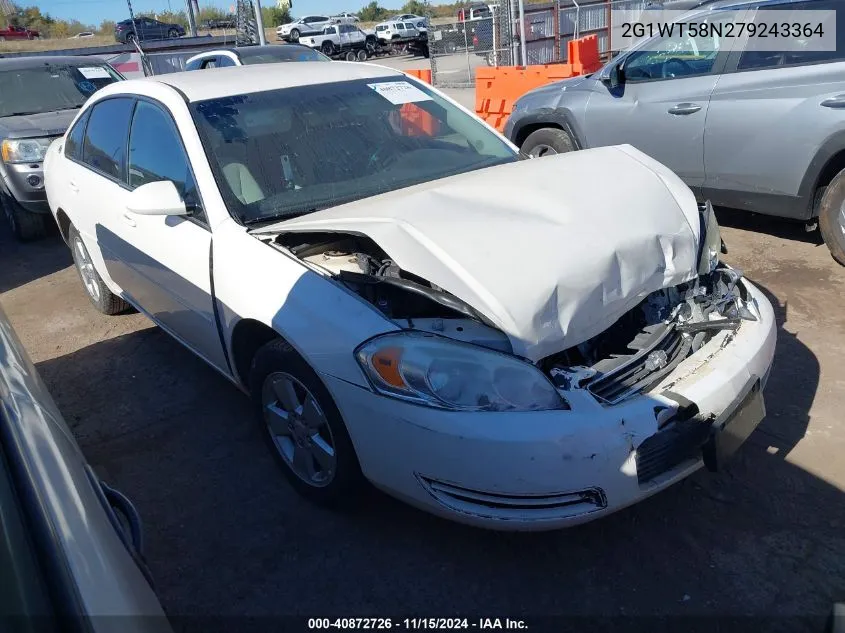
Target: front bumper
(30,195)
(550,469)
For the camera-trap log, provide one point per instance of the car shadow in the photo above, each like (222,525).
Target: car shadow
(771,225)
(21,263)
(228,536)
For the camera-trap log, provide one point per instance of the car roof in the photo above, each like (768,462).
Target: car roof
(20,63)
(231,81)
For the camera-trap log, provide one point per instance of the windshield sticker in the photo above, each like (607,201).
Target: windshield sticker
(94,72)
(87,87)
(400,92)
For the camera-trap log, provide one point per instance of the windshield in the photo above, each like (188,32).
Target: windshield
(274,54)
(51,87)
(282,153)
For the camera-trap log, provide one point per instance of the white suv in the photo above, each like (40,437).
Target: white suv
(310,24)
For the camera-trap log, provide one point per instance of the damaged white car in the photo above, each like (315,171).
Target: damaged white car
(510,343)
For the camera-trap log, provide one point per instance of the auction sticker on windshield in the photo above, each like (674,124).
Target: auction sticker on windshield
(94,72)
(399,92)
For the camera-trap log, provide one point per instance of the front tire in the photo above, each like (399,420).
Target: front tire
(173,34)
(832,217)
(131,38)
(25,225)
(294,35)
(304,427)
(101,297)
(547,142)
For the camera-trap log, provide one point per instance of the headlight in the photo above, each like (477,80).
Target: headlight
(439,372)
(25,150)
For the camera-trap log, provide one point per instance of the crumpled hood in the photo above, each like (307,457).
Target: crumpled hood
(32,125)
(553,250)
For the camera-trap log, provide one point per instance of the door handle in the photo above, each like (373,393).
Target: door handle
(72,186)
(685,108)
(834,102)
(128,219)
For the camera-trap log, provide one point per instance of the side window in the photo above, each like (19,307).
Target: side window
(223,61)
(73,144)
(752,59)
(104,147)
(677,56)
(211,62)
(156,152)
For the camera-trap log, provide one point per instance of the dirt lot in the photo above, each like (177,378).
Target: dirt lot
(227,537)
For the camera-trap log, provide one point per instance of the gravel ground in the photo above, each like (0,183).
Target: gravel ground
(228,538)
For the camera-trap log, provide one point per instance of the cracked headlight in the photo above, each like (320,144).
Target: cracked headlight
(24,150)
(446,374)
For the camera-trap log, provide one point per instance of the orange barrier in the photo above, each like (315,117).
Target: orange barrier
(422,75)
(415,120)
(497,89)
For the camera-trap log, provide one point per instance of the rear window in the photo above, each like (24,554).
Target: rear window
(284,53)
(51,87)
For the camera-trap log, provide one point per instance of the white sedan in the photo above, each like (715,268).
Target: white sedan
(511,343)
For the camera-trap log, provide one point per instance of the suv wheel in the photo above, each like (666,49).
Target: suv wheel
(130,38)
(547,142)
(832,217)
(26,226)
(328,49)
(173,34)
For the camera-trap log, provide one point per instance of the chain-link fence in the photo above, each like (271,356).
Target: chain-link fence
(458,48)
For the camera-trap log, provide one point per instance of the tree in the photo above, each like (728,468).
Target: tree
(274,16)
(373,12)
(417,7)
(106,27)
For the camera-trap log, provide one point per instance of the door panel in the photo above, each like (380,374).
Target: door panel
(169,256)
(662,105)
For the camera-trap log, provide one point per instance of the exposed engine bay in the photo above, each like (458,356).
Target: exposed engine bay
(631,356)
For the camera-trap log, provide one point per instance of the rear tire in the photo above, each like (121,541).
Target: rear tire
(25,225)
(362,55)
(327,49)
(101,297)
(547,142)
(275,363)
(130,38)
(832,217)
(351,56)
(173,34)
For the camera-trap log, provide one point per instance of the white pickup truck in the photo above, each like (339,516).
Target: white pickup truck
(339,39)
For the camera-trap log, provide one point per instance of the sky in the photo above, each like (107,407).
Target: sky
(95,11)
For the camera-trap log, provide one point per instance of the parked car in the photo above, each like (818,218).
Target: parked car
(305,233)
(747,129)
(39,97)
(83,35)
(220,23)
(407,17)
(347,17)
(246,55)
(342,39)
(18,33)
(145,28)
(308,25)
(71,545)
(388,32)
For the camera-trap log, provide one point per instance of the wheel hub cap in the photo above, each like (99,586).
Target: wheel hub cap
(299,429)
(842,217)
(542,150)
(86,270)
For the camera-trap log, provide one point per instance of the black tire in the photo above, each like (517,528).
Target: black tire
(548,141)
(173,34)
(25,225)
(348,483)
(103,299)
(362,55)
(832,217)
(294,35)
(327,48)
(351,56)
(130,38)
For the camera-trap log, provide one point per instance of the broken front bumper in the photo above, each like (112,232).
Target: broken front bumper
(551,469)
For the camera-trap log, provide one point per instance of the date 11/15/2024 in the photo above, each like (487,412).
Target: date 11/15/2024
(416,624)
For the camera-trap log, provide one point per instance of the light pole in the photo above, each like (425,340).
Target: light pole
(259,22)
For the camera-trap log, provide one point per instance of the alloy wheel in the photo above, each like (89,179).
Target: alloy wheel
(299,429)
(86,269)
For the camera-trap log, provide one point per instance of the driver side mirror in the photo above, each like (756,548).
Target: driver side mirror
(157,198)
(615,76)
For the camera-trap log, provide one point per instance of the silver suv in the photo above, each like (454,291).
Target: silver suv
(746,129)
